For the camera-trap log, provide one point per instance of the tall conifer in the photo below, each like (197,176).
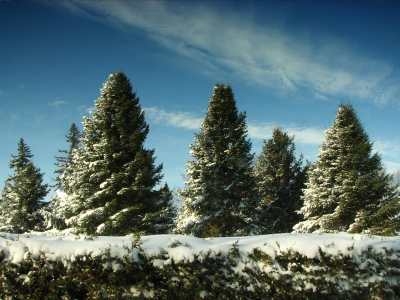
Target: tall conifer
(112,187)
(280,180)
(219,199)
(347,189)
(23,194)
(64,162)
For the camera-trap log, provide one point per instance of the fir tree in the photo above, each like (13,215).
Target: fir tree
(346,189)
(22,196)
(280,179)
(58,210)
(64,162)
(219,199)
(112,187)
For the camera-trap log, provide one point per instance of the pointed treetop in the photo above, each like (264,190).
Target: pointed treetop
(23,158)
(73,138)
(346,188)
(113,174)
(219,198)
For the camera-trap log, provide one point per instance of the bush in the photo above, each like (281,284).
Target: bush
(208,274)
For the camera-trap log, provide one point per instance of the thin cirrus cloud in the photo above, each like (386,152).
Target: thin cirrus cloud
(86,109)
(389,148)
(271,57)
(189,120)
(181,119)
(391,167)
(303,135)
(57,103)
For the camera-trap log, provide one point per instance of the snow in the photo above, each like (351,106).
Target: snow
(183,248)
(103,184)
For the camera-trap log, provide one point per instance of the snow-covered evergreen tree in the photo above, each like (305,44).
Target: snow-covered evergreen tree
(219,199)
(111,190)
(346,189)
(23,194)
(280,180)
(63,163)
(59,209)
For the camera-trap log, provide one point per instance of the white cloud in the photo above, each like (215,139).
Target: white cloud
(387,147)
(189,120)
(390,153)
(307,135)
(391,167)
(57,102)
(185,120)
(86,109)
(303,135)
(322,97)
(228,42)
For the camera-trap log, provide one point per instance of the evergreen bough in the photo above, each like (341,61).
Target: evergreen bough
(220,198)
(347,189)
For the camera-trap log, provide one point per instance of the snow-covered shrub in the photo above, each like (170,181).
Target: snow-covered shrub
(283,266)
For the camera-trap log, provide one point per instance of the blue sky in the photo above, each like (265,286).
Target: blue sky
(289,63)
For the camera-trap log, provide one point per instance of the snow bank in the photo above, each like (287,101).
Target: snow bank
(67,247)
(284,266)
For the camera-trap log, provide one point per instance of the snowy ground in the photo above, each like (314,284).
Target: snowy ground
(67,247)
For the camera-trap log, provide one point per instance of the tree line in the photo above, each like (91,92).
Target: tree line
(107,182)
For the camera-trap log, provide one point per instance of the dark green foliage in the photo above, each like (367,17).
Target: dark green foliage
(22,196)
(347,189)
(20,161)
(112,187)
(161,221)
(64,163)
(219,199)
(280,180)
(208,275)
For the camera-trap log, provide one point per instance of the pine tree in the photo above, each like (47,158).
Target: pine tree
(280,179)
(112,187)
(58,210)
(22,196)
(219,199)
(64,162)
(346,189)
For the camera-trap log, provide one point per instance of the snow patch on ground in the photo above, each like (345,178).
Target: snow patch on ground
(183,248)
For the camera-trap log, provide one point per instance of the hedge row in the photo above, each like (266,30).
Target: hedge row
(208,275)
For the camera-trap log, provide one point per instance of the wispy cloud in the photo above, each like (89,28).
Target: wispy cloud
(303,135)
(189,120)
(181,119)
(57,103)
(271,57)
(388,147)
(391,167)
(86,109)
